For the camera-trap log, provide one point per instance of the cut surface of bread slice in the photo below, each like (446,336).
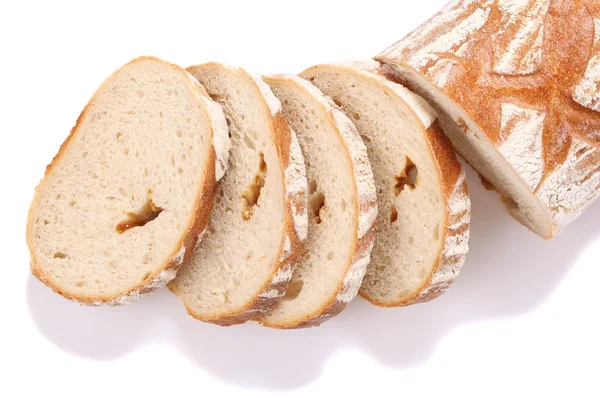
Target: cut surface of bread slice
(422,230)
(121,205)
(342,208)
(517,91)
(246,259)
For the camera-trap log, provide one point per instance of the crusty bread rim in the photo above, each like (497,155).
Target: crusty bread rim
(391,69)
(365,208)
(453,247)
(190,235)
(296,208)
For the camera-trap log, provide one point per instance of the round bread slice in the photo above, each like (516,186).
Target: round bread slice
(422,230)
(130,188)
(342,208)
(259,223)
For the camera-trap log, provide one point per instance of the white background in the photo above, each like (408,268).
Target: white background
(522,320)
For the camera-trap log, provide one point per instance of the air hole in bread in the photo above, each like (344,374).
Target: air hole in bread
(84,155)
(126,152)
(330,255)
(80,284)
(61,255)
(179,133)
(72,203)
(119,134)
(252,193)
(436,232)
(356,116)
(411,240)
(315,205)
(408,177)
(394,215)
(337,103)
(293,290)
(365,138)
(249,255)
(147,275)
(344,205)
(312,186)
(149,212)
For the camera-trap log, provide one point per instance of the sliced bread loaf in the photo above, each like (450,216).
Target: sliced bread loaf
(246,259)
(121,205)
(517,87)
(422,230)
(342,208)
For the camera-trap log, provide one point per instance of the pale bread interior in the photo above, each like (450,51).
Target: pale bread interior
(333,206)
(411,222)
(139,155)
(476,148)
(240,250)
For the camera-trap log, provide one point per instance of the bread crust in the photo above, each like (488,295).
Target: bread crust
(296,215)
(366,211)
(198,224)
(454,243)
(454,247)
(527,76)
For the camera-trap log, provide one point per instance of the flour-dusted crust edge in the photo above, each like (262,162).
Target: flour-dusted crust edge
(296,209)
(454,245)
(366,211)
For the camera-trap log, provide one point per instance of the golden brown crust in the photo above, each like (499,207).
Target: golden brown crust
(282,136)
(198,224)
(365,204)
(457,220)
(454,245)
(335,306)
(515,71)
(291,243)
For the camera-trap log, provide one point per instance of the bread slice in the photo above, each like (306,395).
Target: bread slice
(422,231)
(246,259)
(342,208)
(516,85)
(121,205)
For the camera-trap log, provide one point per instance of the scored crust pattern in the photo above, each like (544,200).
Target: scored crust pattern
(528,73)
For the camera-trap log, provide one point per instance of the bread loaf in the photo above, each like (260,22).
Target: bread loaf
(422,230)
(121,205)
(256,232)
(516,86)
